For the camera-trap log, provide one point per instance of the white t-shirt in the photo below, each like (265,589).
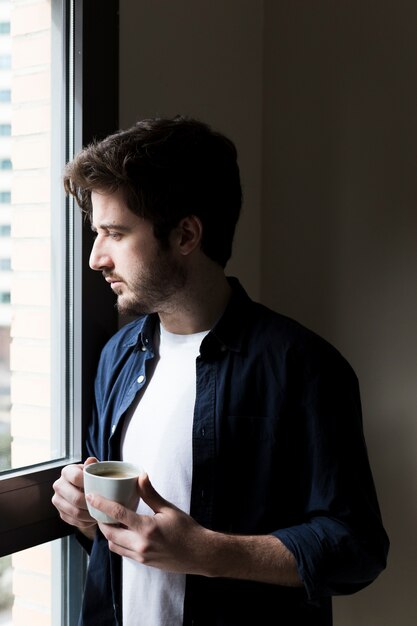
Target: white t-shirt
(158,437)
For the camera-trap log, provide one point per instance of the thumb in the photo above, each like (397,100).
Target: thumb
(150,496)
(90,459)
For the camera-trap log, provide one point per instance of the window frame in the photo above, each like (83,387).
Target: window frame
(28,516)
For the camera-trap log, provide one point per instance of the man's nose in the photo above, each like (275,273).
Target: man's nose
(99,257)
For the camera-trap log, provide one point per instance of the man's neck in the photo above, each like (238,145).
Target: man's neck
(199,305)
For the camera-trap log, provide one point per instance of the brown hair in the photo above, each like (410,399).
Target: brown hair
(167,169)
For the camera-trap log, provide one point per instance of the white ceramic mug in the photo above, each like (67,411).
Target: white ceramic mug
(114,480)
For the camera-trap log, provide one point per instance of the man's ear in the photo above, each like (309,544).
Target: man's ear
(188,234)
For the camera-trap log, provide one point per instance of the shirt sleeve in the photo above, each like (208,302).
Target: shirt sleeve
(340,545)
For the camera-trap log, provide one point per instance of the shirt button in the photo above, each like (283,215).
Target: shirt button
(141,379)
(113,428)
(143,348)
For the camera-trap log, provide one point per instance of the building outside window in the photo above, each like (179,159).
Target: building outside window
(5,61)
(25,56)
(32,229)
(49,343)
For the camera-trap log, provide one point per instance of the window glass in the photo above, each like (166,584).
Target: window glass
(35,294)
(33,269)
(5,61)
(30,582)
(45,375)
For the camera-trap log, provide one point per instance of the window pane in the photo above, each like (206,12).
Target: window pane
(34,294)
(5,61)
(4,28)
(5,129)
(30,585)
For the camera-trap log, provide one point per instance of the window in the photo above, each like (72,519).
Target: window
(5,61)
(52,328)
(5,164)
(4,297)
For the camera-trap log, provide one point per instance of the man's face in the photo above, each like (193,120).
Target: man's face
(145,277)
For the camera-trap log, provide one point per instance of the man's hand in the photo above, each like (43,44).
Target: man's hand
(170,540)
(69,498)
(173,541)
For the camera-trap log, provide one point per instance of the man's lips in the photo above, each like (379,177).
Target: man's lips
(113,280)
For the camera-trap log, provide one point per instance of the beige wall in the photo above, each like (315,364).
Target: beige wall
(320,98)
(201,58)
(339,234)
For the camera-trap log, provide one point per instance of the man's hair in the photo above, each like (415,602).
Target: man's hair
(167,169)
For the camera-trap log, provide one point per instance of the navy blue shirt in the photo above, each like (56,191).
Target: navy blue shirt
(278,448)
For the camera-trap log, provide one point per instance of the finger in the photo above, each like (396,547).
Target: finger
(150,496)
(70,497)
(73,475)
(121,541)
(116,511)
(89,460)
(82,525)
(70,491)
(71,514)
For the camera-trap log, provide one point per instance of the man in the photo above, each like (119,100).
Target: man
(258,503)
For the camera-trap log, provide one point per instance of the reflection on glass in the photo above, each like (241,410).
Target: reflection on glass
(5,257)
(6,593)
(31,252)
(30,586)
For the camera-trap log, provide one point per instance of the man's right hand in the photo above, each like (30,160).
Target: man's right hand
(69,498)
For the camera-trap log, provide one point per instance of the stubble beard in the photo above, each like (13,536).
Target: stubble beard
(154,289)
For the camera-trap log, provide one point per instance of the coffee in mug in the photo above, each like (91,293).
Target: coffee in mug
(114,480)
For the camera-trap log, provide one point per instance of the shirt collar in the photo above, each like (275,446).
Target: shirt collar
(141,332)
(228,334)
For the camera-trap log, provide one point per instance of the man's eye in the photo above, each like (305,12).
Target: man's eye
(115,236)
